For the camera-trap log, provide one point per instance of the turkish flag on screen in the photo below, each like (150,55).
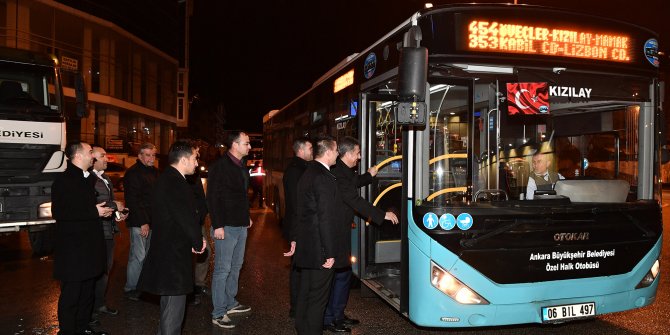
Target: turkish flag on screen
(527,98)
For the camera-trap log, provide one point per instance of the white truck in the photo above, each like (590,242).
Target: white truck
(32,139)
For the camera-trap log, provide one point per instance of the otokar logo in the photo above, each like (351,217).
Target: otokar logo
(21,134)
(582,236)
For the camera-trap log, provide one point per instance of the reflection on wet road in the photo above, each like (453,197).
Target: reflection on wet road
(29,297)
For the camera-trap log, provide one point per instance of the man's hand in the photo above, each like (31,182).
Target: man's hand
(204,246)
(251,223)
(219,234)
(329,263)
(373,171)
(104,211)
(292,251)
(144,230)
(391,217)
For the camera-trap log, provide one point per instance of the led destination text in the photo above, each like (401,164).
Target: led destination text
(514,38)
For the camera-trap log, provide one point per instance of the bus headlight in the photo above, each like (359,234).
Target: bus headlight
(650,276)
(44,211)
(454,288)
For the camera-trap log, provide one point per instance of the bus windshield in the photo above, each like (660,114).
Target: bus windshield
(26,93)
(577,127)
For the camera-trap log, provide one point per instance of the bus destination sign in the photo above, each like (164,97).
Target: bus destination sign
(506,37)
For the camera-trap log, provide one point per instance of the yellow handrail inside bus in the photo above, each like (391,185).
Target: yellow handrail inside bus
(446,190)
(385,191)
(379,197)
(439,158)
(386,161)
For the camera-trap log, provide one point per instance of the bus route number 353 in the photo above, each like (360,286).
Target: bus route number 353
(565,312)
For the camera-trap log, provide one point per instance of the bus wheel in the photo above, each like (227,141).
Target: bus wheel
(42,241)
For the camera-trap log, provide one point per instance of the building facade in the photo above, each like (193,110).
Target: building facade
(136,91)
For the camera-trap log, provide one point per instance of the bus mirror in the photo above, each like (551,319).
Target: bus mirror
(412,75)
(80,96)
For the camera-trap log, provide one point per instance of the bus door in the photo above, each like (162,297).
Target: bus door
(379,252)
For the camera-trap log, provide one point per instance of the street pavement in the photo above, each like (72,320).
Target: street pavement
(29,296)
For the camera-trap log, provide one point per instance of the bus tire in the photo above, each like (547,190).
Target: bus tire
(42,241)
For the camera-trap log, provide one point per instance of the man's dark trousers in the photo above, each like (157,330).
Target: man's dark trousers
(75,305)
(172,314)
(312,300)
(101,283)
(339,295)
(294,285)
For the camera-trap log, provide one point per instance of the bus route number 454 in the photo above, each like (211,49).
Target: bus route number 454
(565,312)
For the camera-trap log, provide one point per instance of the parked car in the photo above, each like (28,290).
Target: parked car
(116,171)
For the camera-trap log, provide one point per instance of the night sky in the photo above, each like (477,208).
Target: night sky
(254,57)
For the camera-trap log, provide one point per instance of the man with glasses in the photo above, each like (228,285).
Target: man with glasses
(228,181)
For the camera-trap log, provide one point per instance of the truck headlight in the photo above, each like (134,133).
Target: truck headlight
(650,276)
(454,288)
(45,210)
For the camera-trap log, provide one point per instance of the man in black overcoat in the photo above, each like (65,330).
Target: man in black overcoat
(316,248)
(79,252)
(302,148)
(168,268)
(348,183)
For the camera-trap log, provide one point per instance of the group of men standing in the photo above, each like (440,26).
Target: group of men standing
(321,200)
(166,213)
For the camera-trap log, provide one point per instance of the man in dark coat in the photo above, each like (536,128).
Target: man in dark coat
(227,185)
(202,260)
(316,248)
(138,185)
(302,148)
(348,183)
(168,270)
(104,191)
(79,252)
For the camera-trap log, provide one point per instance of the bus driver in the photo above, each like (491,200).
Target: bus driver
(541,178)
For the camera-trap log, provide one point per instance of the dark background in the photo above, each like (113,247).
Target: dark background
(249,57)
(254,57)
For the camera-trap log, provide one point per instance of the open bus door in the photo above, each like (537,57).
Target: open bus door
(378,248)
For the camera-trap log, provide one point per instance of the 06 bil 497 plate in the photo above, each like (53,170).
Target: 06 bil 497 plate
(567,312)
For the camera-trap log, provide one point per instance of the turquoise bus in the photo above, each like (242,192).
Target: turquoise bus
(498,85)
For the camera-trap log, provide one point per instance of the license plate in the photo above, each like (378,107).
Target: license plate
(567,312)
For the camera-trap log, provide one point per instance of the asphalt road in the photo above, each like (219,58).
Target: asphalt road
(29,295)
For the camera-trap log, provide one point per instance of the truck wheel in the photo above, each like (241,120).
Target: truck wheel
(42,241)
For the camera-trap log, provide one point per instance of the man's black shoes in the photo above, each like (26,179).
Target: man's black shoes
(349,322)
(337,328)
(201,290)
(107,310)
(133,295)
(93,332)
